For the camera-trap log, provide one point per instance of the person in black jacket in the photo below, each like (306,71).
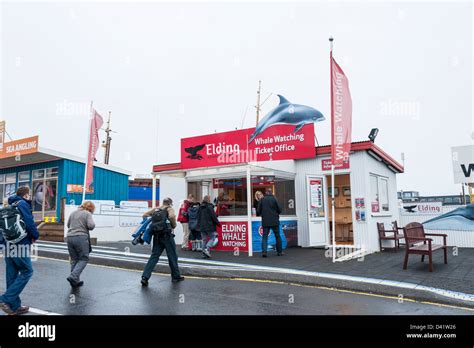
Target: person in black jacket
(207,226)
(269,209)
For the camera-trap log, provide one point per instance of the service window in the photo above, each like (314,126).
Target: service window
(231,197)
(285,195)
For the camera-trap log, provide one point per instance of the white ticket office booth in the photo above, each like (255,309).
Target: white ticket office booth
(365,193)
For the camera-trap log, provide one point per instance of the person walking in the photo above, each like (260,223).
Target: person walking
(207,226)
(269,209)
(184,220)
(19,269)
(163,222)
(195,234)
(79,225)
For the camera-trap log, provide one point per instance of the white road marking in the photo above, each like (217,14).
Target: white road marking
(221,265)
(42,312)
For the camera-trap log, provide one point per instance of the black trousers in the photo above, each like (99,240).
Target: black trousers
(160,243)
(276,232)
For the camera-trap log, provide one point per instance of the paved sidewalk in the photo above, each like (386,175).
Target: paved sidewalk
(457,275)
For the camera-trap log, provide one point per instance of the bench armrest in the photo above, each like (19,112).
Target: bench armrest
(436,234)
(419,238)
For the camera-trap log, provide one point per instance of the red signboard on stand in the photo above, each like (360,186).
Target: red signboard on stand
(232,236)
(279,142)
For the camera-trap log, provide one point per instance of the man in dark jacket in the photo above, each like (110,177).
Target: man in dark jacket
(269,209)
(18,266)
(163,240)
(207,226)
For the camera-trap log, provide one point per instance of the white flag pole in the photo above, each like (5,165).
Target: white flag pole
(333,211)
(84,188)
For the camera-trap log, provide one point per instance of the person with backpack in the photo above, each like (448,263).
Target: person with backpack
(163,222)
(269,209)
(207,226)
(79,224)
(193,220)
(184,220)
(19,232)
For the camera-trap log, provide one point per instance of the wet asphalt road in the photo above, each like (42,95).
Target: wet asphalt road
(118,292)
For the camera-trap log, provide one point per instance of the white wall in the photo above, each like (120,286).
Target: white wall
(375,167)
(113,223)
(464,239)
(176,188)
(361,164)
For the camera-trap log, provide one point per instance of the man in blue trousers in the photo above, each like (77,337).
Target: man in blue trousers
(18,256)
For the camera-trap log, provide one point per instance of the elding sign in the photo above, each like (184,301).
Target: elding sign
(463,164)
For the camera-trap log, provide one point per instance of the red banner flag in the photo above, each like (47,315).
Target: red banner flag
(341,115)
(96,123)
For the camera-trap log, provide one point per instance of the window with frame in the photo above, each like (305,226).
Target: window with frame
(24,179)
(7,185)
(44,184)
(231,196)
(379,194)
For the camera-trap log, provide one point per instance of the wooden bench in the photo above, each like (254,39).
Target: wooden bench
(417,243)
(389,235)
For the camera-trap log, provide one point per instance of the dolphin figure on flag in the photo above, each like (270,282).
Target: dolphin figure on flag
(460,219)
(288,113)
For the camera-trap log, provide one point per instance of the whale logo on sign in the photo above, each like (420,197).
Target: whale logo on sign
(193,152)
(288,113)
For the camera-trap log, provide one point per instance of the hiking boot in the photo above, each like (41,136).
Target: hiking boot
(144,281)
(6,308)
(22,310)
(176,280)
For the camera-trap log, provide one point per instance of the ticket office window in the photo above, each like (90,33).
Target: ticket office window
(283,190)
(230,196)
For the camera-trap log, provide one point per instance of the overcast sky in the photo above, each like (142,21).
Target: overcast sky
(169,70)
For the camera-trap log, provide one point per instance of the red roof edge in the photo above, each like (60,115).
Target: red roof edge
(166,167)
(366,146)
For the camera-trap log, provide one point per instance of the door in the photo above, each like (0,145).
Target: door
(317,219)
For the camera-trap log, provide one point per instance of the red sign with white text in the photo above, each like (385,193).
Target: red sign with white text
(326,165)
(341,114)
(278,142)
(232,236)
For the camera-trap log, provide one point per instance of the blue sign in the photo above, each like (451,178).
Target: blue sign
(257,232)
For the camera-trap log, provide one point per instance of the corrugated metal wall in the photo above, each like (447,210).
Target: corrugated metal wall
(108,185)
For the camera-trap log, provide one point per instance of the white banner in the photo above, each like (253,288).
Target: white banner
(463,164)
(422,208)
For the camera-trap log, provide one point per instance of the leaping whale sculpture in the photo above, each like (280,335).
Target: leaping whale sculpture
(460,219)
(288,113)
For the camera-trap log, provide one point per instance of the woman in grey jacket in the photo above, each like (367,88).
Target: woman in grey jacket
(79,224)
